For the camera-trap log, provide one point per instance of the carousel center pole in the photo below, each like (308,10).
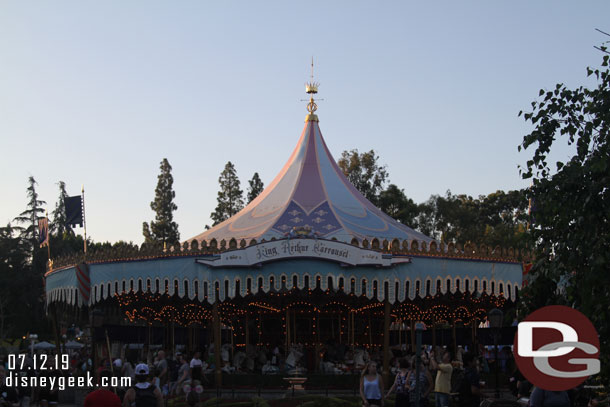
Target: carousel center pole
(217,347)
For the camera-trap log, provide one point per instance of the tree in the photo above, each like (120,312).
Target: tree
(364,172)
(32,214)
(571,216)
(395,203)
(21,284)
(14,262)
(426,220)
(230,196)
(58,225)
(499,218)
(163,229)
(256,187)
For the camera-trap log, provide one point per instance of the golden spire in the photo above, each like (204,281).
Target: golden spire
(311,88)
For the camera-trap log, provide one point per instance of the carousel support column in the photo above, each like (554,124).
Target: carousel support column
(217,347)
(316,328)
(189,331)
(412,326)
(386,342)
(287,330)
(350,340)
(260,330)
(232,341)
(340,327)
(148,336)
(475,345)
(454,337)
(353,315)
(399,334)
(173,339)
(434,335)
(294,326)
(370,332)
(56,328)
(247,333)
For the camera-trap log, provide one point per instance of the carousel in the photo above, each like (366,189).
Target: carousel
(309,264)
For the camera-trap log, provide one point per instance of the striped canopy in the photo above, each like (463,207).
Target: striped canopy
(312,193)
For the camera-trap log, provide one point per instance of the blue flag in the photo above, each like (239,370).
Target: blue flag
(43,232)
(74,210)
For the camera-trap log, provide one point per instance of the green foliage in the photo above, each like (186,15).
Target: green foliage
(327,402)
(395,203)
(230,196)
(20,285)
(571,218)
(163,229)
(259,402)
(58,225)
(499,218)
(32,214)
(255,188)
(364,172)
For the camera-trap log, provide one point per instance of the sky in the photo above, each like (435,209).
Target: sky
(98,93)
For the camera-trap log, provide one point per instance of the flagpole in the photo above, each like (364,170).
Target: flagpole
(46,215)
(84,222)
(48,237)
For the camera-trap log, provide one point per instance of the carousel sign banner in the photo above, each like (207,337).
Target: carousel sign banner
(299,248)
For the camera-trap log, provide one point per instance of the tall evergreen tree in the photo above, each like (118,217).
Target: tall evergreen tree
(58,225)
(256,187)
(163,229)
(16,284)
(230,196)
(32,214)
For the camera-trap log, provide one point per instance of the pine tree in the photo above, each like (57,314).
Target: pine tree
(256,187)
(58,226)
(230,197)
(163,229)
(31,215)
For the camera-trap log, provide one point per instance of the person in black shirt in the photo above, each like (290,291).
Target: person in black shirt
(470,388)
(8,395)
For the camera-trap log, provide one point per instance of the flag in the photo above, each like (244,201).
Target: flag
(43,232)
(74,210)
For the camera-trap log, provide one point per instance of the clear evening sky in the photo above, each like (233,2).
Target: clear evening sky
(98,93)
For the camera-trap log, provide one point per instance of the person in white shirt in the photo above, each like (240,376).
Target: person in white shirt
(196,366)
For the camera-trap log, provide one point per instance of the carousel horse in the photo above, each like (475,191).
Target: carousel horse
(238,360)
(293,358)
(292,361)
(261,357)
(268,368)
(330,368)
(225,352)
(361,356)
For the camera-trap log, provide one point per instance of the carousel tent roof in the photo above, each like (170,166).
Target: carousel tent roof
(311,192)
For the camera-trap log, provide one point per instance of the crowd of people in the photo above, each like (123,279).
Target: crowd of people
(450,379)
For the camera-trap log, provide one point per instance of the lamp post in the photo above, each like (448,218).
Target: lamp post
(32,339)
(495,322)
(419,328)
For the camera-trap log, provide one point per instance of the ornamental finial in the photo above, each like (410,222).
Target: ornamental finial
(311,88)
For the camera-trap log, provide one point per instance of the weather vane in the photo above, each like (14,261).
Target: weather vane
(311,88)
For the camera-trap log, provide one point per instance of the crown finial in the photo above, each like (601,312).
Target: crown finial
(311,88)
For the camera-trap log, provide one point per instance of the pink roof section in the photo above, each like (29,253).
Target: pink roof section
(312,192)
